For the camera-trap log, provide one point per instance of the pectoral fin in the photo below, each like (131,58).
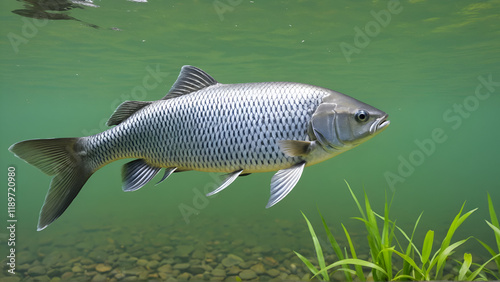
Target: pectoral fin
(283,182)
(230,177)
(293,148)
(168,171)
(136,174)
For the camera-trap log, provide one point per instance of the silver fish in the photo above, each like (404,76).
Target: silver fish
(203,125)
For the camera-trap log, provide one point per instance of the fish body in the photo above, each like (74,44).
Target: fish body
(221,128)
(203,125)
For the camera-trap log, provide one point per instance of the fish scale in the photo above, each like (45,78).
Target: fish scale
(219,129)
(204,125)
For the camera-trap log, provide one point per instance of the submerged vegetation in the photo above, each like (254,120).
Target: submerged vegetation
(393,259)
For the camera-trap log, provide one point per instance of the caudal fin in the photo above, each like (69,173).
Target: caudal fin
(59,157)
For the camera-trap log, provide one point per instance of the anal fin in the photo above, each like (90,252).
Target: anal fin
(283,182)
(136,174)
(230,177)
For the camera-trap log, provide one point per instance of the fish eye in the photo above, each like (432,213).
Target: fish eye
(362,116)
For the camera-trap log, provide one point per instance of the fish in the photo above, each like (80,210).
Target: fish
(203,125)
(39,9)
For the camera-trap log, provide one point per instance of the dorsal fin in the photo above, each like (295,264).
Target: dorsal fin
(190,79)
(125,110)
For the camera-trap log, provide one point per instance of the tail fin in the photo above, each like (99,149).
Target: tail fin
(59,157)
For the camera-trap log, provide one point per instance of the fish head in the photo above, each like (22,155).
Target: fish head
(341,122)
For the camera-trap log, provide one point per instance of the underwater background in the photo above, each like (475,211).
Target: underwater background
(433,66)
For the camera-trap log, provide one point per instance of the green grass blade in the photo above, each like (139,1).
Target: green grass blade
(405,277)
(335,246)
(355,200)
(492,252)
(494,220)
(457,221)
(407,268)
(372,223)
(441,258)
(427,247)
(495,228)
(359,270)
(387,235)
(409,260)
(317,247)
(475,273)
(308,263)
(354,262)
(453,226)
(465,266)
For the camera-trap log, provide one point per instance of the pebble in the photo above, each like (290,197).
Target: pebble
(273,272)
(133,271)
(23,267)
(99,277)
(77,268)
(167,268)
(219,272)
(270,261)
(258,268)
(86,261)
(52,259)
(234,270)
(292,277)
(231,260)
(184,251)
(184,276)
(98,255)
(24,257)
(54,272)
(142,262)
(198,254)
(152,264)
(245,265)
(182,266)
(248,274)
(156,257)
(37,270)
(197,269)
(102,267)
(67,275)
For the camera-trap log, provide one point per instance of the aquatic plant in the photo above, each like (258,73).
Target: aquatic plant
(417,263)
(496,230)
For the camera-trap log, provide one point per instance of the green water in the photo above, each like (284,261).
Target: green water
(422,66)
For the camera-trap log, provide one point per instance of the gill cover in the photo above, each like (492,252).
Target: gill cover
(323,126)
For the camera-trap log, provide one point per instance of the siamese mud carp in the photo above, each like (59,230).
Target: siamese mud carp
(204,125)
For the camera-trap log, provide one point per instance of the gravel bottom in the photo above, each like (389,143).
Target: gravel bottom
(212,251)
(161,253)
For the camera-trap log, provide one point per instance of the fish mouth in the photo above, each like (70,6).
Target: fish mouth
(380,124)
